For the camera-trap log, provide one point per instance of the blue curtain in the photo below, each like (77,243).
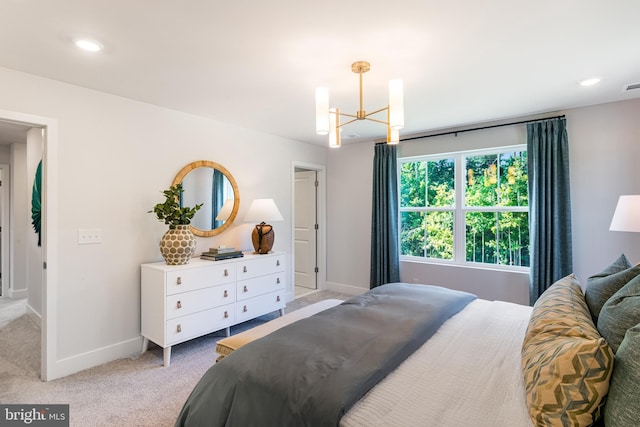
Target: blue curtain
(549,204)
(385,261)
(217,197)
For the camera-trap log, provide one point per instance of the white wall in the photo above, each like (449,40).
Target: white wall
(115,156)
(605,157)
(18,221)
(604,143)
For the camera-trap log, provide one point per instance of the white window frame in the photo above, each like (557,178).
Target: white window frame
(459,208)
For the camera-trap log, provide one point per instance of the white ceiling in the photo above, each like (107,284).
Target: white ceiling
(256,63)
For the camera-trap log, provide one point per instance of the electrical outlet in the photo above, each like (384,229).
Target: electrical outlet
(89,236)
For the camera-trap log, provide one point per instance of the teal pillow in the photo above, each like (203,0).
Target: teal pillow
(623,403)
(600,287)
(619,313)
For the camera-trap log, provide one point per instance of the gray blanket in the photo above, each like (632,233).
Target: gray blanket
(309,373)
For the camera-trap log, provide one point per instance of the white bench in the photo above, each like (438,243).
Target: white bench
(226,346)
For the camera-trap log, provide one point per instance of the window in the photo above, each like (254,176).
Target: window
(468,207)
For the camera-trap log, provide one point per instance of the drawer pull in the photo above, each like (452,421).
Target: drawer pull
(226,272)
(277,263)
(244,309)
(226,294)
(278,280)
(179,281)
(179,328)
(278,298)
(244,269)
(226,315)
(245,289)
(179,304)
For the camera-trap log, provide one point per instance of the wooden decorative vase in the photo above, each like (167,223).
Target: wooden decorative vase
(262,238)
(178,245)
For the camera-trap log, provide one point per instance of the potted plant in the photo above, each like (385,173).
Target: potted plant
(178,243)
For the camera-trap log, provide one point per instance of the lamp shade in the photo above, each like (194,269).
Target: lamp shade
(334,131)
(396,104)
(627,214)
(263,210)
(225,210)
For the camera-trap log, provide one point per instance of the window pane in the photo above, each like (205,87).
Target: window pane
(513,242)
(441,179)
(514,189)
(482,180)
(498,238)
(481,237)
(412,234)
(427,234)
(413,184)
(439,235)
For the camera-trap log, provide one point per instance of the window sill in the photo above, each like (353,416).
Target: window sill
(473,266)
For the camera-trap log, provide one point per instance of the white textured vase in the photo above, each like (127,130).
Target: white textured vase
(178,245)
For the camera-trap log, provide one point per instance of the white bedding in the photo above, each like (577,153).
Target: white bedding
(467,374)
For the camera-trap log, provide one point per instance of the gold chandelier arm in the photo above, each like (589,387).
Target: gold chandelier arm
(377,121)
(346,123)
(348,115)
(377,111)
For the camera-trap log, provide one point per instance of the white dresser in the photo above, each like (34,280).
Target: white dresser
(182,302)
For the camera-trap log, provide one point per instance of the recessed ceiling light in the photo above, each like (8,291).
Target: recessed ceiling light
(590,82)
(89,45)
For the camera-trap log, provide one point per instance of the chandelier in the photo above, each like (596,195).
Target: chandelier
(328,119)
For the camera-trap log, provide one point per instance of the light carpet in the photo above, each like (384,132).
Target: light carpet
(137,391)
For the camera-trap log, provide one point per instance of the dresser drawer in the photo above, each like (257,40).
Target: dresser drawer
(260,285)
(194,325)
(259,305)
(202,299)
(255,267)
(197,278)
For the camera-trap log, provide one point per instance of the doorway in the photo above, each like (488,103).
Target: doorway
(37,266)
(307,228)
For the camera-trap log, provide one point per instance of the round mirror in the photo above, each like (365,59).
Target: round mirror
(212,185)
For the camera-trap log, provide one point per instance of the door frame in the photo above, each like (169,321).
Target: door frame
(5,226)
(322,232)
(49,234)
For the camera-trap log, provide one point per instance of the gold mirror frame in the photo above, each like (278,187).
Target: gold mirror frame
(236,194)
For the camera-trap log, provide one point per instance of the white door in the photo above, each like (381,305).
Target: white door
(305,240)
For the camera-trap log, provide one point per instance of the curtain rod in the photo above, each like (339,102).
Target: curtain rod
(481,128)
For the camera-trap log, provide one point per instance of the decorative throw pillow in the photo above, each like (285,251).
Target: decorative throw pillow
(566,364)
(620,312)
(623,403)
(601,286)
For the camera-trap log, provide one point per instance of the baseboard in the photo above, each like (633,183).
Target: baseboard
(33,315)
(80,362)
(345,289)
(22,293)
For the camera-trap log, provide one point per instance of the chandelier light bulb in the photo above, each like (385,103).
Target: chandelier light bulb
(334,132)
(396,104)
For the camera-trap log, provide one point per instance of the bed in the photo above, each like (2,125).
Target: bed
(484,363)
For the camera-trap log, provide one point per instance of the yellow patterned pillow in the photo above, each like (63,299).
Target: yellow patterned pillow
(566,363)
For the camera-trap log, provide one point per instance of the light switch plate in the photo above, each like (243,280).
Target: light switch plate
(89,236)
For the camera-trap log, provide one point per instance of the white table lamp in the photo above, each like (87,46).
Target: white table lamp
(627,214)
(225,210)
